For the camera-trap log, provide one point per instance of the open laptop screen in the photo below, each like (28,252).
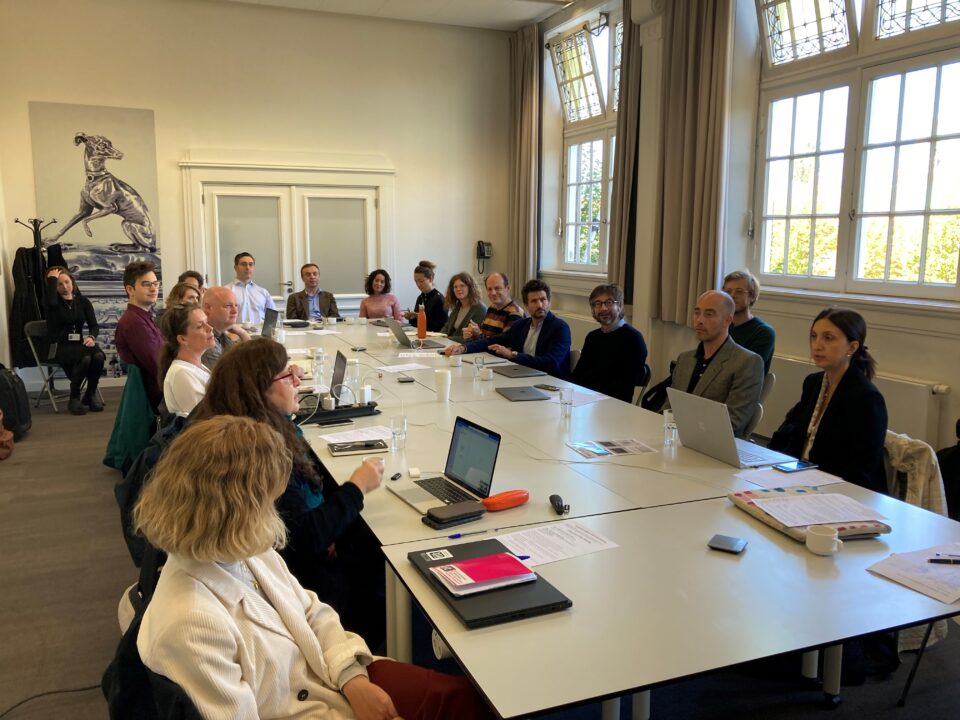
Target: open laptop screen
(472,456)
(269,322)
(339,370)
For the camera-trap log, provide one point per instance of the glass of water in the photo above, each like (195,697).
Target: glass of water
(398,432)
(478,363)
(566,402)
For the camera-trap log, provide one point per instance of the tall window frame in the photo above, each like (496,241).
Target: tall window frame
(918,243)
(583,225)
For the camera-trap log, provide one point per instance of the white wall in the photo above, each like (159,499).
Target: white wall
(432,99)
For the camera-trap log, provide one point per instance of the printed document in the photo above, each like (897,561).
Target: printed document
(816,509)
(913,569)
(556,541)
(770,478)
(376,432)
(403,368)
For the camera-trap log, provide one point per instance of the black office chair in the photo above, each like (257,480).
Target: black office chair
(43,351)
(644,381)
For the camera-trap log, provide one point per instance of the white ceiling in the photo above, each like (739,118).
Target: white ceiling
(505,15)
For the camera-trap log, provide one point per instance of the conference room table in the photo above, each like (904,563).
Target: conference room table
(658,608)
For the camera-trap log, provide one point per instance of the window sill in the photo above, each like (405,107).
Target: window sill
(570,282)
(939,309)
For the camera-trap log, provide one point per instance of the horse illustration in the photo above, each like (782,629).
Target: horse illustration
(105,194)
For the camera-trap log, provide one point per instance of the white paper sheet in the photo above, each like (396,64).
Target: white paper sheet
(419,353)
(817,509)
(298,352)
(770,478)
(610,448)
(581,397)
(324,332)
(376,432)
(913,569)
(403,368)
(295,333)
(556,541)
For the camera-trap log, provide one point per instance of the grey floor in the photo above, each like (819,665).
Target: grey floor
(63,567)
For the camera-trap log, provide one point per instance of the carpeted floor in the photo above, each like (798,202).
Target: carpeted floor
(64,566)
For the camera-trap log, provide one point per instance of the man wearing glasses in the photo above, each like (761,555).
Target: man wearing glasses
(614,354)
(221,308)
(748,330)
(137,337)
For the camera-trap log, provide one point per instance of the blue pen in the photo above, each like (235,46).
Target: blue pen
(522,557)
(457,536)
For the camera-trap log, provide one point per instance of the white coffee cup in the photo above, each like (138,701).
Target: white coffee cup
(454,360)
(362,321)
(823,540)
(350,320)
(486,373)
(443,381)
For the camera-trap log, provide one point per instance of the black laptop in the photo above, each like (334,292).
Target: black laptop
(493,607)
(269,322)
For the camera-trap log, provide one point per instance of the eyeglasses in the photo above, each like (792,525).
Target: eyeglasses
(149,284)
(596,305)
(294,374)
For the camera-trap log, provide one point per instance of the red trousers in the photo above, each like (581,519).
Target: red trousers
(421,694)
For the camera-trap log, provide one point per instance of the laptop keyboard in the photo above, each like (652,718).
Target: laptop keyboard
(444,490)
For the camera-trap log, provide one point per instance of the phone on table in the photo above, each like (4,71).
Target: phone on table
(795,466)
(548,388)
(726,543)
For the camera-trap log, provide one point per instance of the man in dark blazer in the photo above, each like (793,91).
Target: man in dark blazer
(719,369)
(540,341)
(311,303)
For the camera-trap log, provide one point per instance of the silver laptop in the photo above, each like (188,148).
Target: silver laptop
(522,393)
(704,426)
(404,339)
(518,371)
(269,322)
(467,476)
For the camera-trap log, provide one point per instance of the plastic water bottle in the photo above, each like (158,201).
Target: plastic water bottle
(318,359)
(351,383)
(669,429)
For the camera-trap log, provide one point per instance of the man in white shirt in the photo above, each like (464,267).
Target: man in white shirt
(251,298)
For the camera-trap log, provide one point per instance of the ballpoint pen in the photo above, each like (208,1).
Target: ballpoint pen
(457,536)
(947,555)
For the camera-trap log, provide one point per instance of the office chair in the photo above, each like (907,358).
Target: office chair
(754,421)
(574,359)
(644,381)
(769,382)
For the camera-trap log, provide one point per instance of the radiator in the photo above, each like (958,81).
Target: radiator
(913,405)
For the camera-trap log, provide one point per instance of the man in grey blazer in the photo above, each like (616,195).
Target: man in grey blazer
(311,303)
(719,369)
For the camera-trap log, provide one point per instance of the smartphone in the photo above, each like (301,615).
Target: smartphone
(548,388)
(358,348)
(404,379)
(795,466)
(360,447)
(728,544)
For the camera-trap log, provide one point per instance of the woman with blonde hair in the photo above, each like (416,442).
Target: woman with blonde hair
(228,622)
(463,302)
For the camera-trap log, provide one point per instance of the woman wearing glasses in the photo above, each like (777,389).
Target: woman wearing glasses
(230,625)
(613,356)
(330,550)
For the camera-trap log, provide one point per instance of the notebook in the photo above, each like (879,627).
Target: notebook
(493,606)
(518,371)
(468,474)
(522,393)
(404,339)
(704,426)
(269,322)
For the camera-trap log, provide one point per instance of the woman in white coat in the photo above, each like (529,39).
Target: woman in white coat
(229,623)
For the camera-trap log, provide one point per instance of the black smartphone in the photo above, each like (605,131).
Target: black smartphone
(404,379)
(358,348)
(726,543)
(795,466)
(548,388)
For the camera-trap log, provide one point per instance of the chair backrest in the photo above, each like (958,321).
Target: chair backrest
(644,381)
(35,329)
(754,421)
(574,359)
(768,384)
(36,333)
(913,473)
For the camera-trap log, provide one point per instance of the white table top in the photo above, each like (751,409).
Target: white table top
(663,606)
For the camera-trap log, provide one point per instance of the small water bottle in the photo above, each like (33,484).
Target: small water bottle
(669,429)
(351,383)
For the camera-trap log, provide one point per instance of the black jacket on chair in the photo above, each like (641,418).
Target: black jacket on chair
(849,441)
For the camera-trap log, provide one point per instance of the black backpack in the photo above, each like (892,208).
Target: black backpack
(949,460)
(15,404)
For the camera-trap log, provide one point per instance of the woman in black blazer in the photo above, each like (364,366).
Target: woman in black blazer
(841,419)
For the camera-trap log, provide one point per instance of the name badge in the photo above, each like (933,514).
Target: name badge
(73,337)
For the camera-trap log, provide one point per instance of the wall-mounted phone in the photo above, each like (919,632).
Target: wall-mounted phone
(484,253)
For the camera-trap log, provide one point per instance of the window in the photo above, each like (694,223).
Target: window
(586,65)
(895,17)
(797,29)
(858,175)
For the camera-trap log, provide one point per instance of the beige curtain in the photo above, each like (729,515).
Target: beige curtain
(695,60)
(622,207)
(524,153)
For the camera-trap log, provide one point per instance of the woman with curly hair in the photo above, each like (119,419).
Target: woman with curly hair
(379,303)
(463,302)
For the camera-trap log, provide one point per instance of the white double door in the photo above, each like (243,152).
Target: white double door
(285,226)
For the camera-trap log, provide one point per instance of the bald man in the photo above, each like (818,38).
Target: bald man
(719,369)
(220,305)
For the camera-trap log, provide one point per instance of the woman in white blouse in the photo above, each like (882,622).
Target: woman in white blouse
(231,625)
(186,335)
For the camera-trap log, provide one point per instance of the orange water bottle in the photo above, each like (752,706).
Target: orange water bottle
(421,323)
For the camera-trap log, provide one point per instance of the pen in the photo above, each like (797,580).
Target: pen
(522,557)
(947,555)
(944,561)
(457,536)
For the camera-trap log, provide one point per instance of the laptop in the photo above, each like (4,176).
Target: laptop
(518,371)
(404,339)
(493,607)
(336,380)
(704,426)
(522,393)
(468,474)
(269,322)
